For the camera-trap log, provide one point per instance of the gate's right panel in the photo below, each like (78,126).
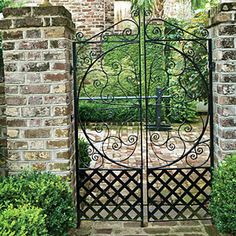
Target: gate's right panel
(178,91)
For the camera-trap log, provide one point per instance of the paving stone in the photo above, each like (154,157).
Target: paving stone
(188,229)
(103,231)
(156,230)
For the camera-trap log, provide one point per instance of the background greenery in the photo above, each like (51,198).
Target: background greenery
(117,74)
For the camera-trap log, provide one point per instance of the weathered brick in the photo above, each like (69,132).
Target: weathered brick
(60,44)
(10,67)
(61,99)
(59,166)
(17,166)
(11,89)
(12,111)
(36,111)
(60,66)
(28,22)
(228,133)
(227,100)
(16,100)
(62,133)
(8,46)
(35,33)
(228,145)
(229,55)
(35,67)
(9,35)
(12,133)
(51,11)
(39,166)
(61,88)
(34,56)
(37,133)
(55,77)
(35,89)
(58,144)
(16,122)
(54,56)
(55,32)
(57,121)
(14,144)
(13,56)
(37,155)
(61,111)
(33,78)
(35,123)
(38,145)
(64,155)
(35,100)
(14,78)
(29,45)
(22,12)
(5,24)
(227,29)
(228,122)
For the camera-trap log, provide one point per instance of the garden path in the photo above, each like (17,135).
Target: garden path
(171,228)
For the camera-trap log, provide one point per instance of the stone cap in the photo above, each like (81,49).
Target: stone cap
(25,17)
(223,13)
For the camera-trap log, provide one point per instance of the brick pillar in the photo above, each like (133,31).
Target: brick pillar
(38,84)
(223,33)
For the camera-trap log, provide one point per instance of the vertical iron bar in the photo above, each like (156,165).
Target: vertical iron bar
(141,114)
(210,102)
(146,109)
(76,131)
(158,108)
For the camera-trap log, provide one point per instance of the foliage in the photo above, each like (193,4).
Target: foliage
(83,153)
(223,200)
(9,3)
(23,221)
(42,190)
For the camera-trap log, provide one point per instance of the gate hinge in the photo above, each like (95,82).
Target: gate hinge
(213,66)
(71,69)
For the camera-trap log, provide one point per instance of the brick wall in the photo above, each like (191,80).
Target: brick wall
(38,88)
(223,33)
(89,16)
(3,144)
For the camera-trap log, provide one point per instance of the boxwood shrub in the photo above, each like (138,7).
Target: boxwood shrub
(24,221)
(223,198)
(42,190)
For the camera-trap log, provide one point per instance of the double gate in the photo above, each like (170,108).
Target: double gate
(143,119)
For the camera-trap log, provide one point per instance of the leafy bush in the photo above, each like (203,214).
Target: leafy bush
(223,200)
(42,190)
(23,221)
(83,153)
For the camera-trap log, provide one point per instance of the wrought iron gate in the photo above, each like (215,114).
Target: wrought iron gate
(137,98)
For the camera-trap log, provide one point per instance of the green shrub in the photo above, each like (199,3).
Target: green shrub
(223,197)
(83,153)
(42,190)
(23,221)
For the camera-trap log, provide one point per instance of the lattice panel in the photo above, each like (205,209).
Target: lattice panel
(110,194)
(176,194)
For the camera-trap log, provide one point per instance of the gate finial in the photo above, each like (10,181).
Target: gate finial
(45,3)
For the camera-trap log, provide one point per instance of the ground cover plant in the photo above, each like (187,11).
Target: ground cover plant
(45,191)
(23,221)
(223,200)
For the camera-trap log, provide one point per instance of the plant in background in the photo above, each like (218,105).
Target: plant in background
(83,153)
(223,200)
(23,221)
(42,190)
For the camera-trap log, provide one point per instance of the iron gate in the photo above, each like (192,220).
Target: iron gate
(149,146)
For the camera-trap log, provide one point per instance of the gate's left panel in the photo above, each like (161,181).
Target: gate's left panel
(109,118)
